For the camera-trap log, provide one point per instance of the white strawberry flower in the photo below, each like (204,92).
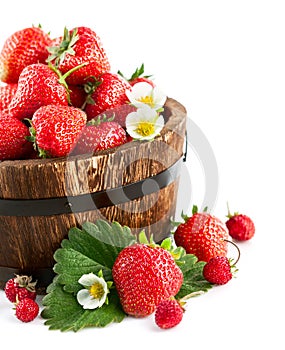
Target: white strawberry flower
(94,294)
(143,94)
(144,124)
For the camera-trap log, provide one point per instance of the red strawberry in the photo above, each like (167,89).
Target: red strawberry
(13,142)
(27,310)
(55,129)
(119,113)
(240,226)
(169,313)
(138,77)
(145,275)
(38,86)
(108,92)
(77,96)
(21,49)
(19,288)
(7,92)
(80,45)
(94,138)
(218,270)
(203,235)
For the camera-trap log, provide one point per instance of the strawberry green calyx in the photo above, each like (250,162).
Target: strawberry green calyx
(167,244)
(185,217)
(176,252)
(233,267)
(58,53)
(32,138)
(101,119)
(26,282)
(90,88)
(229,212)
(142,238)
(138,73)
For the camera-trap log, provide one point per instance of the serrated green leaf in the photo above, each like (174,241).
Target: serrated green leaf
(71,265)
(101,242)
(112,234)
(63,312)
(193,279)
(93,248)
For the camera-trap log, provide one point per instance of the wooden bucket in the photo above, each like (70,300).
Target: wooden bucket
(40,200)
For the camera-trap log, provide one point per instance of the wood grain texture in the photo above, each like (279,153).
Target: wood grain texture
(28,243)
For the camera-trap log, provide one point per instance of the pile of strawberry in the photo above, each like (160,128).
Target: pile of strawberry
(21,291)
(51,88)
(147,276)
(148,279)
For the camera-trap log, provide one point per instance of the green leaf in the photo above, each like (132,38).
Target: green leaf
(94,248)
(71,265)
(193,280)
(63,312)
(101,242)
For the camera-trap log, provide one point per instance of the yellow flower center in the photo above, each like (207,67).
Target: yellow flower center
(145,128)
(147,100)
(96,290)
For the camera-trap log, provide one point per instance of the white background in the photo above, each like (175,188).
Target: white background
(225,62)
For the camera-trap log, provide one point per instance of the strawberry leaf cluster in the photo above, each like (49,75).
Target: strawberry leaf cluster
(193,280)
(94,248)
(90,249)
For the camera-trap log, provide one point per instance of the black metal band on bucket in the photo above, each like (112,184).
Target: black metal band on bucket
(90,201)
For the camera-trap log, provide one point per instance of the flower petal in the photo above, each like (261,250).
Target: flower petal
(92,304)
(145,115)
(102,300)
(141,89)
(88,279)
(159,98)
(83,296)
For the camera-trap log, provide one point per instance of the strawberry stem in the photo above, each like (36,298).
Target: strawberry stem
(237,248)
(229,213)
(62,78)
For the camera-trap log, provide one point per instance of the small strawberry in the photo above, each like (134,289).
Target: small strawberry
(240,226)
(203,235)
(19,288)
(218,270)
(80,45)
(168,314)
(13,142)
(24,47)
(7,92)
(138,77)
(38,86)
(144,276)
(27,310)
(94,138)
(108,92)
(55,129)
